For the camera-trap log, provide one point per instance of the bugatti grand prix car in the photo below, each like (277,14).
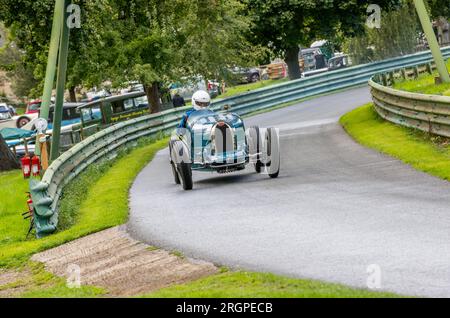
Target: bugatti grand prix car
(220,143)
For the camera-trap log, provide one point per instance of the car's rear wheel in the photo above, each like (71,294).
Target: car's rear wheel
(273,155)
(185,171)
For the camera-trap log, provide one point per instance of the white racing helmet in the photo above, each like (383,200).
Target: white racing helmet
(201,100)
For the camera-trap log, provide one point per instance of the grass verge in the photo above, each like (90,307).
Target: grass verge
(36,282)
(426,153)
(100,201)
(244,88)
(425,84)
(260,285)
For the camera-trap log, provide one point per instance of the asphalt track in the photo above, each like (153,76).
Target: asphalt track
(336,209)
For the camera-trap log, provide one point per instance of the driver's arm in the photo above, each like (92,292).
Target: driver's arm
(183,123)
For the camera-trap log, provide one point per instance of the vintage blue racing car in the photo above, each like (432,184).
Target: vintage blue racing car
(219,142)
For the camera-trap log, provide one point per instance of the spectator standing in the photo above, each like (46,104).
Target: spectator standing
(178,101)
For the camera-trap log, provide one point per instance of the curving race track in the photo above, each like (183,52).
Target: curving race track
(336,209)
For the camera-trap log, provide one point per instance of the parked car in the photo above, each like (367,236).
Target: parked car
(7,120)
(188,87)
(33,106)
(5,117)
(246,74)
(132,87)
(4,109)
(96,95)
(338,62)
(108,111)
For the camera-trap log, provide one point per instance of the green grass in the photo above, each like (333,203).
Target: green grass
(36,282)
(244,88)
(425,84)
(102,203)
(259,285)
(420,150)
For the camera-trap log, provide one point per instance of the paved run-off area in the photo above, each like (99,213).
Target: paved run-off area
(111,259)
(336,209)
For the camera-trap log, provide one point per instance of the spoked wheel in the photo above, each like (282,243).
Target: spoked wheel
(255,146)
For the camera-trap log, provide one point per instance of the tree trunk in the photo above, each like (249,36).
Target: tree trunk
(8,160)
(292,62)
(73,94)
(153,97)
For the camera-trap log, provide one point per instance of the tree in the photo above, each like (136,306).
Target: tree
(439,8)
(397,36)
(284,25)
(30,26)
(156,42)
(17,72)
(8,160)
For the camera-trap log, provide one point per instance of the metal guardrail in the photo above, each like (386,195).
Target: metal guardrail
(104,144)
(46,193)
(427,113)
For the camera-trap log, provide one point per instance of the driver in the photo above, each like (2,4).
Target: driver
(201,101)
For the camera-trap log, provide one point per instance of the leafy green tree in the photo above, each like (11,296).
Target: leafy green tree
(284,25)
(12,62)
(397,36)
(30,24)
(156,42)
(439,8)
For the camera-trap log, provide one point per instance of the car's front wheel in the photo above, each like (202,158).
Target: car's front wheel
(254,78)
(185,171)
(175,174)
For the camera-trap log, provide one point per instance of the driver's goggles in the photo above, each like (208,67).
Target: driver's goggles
(201,104)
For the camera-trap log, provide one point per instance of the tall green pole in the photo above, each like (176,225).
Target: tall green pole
(60,83)
(51,66)
(432,41)
(52,58)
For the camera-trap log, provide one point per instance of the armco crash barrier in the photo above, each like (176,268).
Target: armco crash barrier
(427,113)
(104,144)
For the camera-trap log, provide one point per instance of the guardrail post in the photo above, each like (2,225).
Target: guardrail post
(404,75)
(391,79)
(383,79)
(432,41)
(416,72)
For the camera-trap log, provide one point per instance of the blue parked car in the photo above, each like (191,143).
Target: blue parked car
(71,115)
(220,143)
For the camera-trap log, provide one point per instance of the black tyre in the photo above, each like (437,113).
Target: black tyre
(185,171)
(255,145)
(176,177)
(22,122)
(273,153)
(254,78)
